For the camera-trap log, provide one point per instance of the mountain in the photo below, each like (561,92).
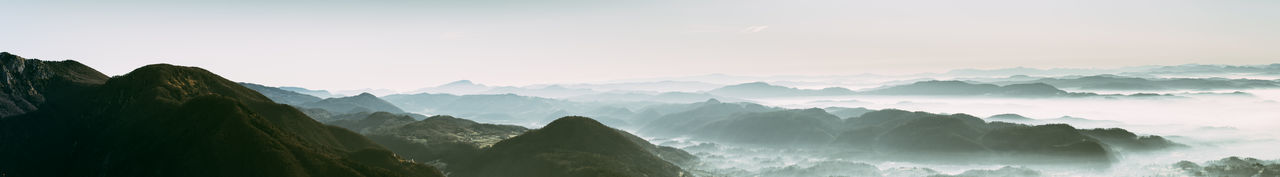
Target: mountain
(567,147)
(1038,72)
(330,109)
(655,86)
(316,93)
(165,120)
(784,128)
(764,90)
(1114,82)
(421,102)
(550,91)
(665,97)
(30,82)
(1231,167)
(1175,70)
(503,108)
(921,136)
(461,87)
(1199,69)
(457,145)
(1082,122)
(1073,121)
(444,141)
(364,102)
(1014,118)
(512,108)
(372,122)
(440,129)
(281,96)
(466,87)
(960,88)
(844,112)
(1118,139)
(705,113)
(371,91)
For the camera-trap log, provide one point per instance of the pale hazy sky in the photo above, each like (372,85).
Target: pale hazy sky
(413,44)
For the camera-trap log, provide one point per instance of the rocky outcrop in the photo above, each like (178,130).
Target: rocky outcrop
(27,83)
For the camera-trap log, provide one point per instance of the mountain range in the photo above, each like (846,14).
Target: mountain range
(959,88)
(568,146)
(900,135)
(1115,82)
(1074,121)
(1230,167)
(166,120)
(921,88)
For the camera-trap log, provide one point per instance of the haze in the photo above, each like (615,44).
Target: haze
(406,45)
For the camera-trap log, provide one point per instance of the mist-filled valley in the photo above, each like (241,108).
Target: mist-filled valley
(913,125)
(62,118)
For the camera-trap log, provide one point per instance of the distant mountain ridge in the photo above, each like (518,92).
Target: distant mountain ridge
(960,88)
(1074,121)
(316,93)
(763,90)
(327,107)
(1114,82)
(462,87)
(923,88)
(281,95)
(364,102)
(901,135)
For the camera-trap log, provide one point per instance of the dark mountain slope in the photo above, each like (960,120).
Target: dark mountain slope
(671,154)
(451,129)
(165,120)
(374,122)
(570,146)
(27,83)
(1123,140)
(439,140)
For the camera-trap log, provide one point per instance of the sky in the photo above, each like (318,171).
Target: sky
(413,44)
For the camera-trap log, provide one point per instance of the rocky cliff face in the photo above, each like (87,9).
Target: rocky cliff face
(28,82)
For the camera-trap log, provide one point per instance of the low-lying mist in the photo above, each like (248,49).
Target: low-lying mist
(1214,125)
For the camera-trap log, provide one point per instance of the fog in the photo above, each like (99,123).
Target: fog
(1246,112)
(1215,124)
(906,125)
